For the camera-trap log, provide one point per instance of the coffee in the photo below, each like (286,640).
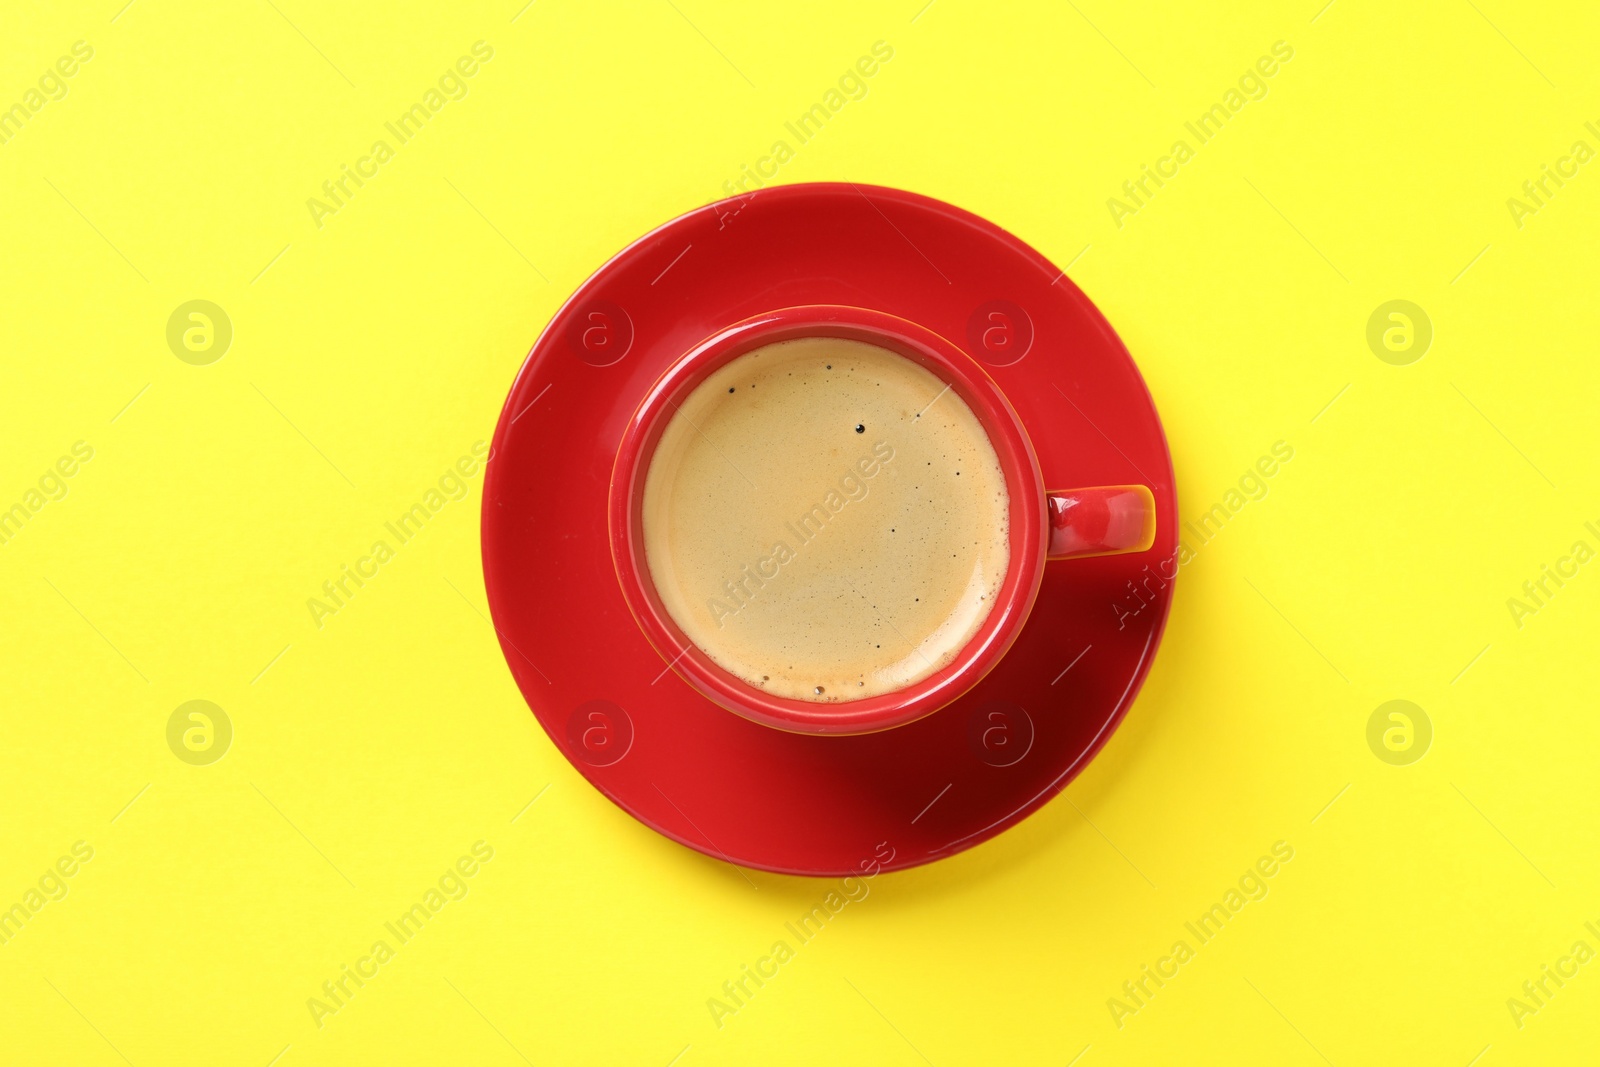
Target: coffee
(827,520)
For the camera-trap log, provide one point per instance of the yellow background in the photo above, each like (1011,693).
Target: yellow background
(370,353)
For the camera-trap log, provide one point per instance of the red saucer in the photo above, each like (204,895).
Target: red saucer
(750,794)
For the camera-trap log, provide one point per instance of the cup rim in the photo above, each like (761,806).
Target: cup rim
(1027,514)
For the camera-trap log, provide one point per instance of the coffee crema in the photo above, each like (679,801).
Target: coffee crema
(826,520)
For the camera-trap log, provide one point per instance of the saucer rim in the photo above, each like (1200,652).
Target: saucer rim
(550,334)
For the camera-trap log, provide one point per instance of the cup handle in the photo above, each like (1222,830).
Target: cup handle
(1103,521)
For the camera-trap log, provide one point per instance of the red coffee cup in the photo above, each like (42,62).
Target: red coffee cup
(1044,525)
